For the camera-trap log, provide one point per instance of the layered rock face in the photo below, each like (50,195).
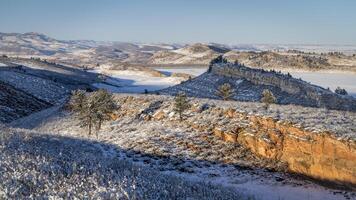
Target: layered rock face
(323,153)
(317,96)
(321,156)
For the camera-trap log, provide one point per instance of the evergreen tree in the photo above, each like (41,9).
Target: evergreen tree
(92,109)
(225,91)
(340,91)
(181,104)
(267,98)
(219,59)
(104,106)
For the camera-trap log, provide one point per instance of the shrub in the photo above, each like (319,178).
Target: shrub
(340,91)
(219,59)
(225,91)
(181,104)
(267,98)
(92,109)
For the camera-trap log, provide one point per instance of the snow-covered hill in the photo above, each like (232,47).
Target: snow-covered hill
(149,134)
(15,104)
(200,54)
(76,51)
(248,84)
(90,53)
(41,166)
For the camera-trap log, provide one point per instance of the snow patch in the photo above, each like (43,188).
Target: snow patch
(129,81)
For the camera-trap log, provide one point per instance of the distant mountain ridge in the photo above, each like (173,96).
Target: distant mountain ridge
(40,45)
(90,53)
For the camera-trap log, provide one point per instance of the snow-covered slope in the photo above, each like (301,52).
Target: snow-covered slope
(172,147)
(86,51)
(40,166)
(92,53)
(200,54)
(15,104)
(248,84)
(37,44)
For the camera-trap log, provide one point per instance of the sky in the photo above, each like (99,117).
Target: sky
(186,21)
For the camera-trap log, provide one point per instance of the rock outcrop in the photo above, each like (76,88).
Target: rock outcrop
(321,154)
(317,96)
(248,85)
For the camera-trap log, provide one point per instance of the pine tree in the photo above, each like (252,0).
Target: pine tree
(219,59)
(77,101)
(92,109)
(104,106)
(340,91)
(267,98)
(181,104)
(225,91)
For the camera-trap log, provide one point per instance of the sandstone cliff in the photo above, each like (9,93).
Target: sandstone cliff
(288,138)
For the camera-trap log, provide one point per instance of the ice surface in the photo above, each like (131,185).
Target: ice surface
(330,80)
(196,71)
(2,65)
(129,81)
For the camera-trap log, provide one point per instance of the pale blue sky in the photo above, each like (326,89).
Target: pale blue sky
(223,21)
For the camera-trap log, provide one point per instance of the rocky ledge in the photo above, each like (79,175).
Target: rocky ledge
(283,134)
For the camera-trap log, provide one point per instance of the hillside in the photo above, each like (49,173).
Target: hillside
(31,44)
(296,60)
(89,54)
(47,81)
(196,54)
(15,104)
(201,54)
(230,144)
(35,165)
(76,52)
(28,85)
(231,149)
(248,84)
